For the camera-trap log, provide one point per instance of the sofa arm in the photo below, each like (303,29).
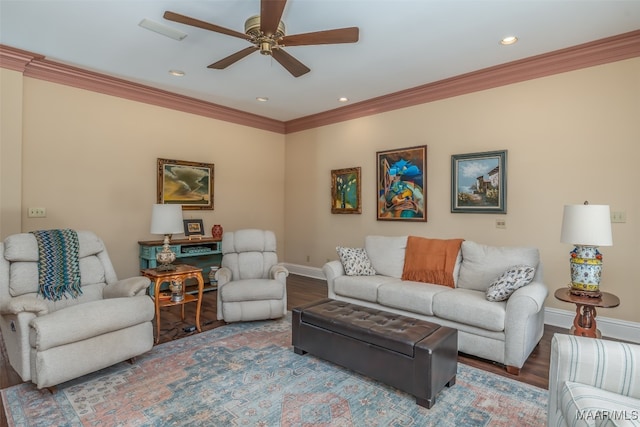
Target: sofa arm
(608,365)
(524,323)
(332,270)
(279,272)
(25,303)
(127,287)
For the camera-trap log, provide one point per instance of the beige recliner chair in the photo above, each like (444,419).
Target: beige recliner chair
(50,342)
(251,284)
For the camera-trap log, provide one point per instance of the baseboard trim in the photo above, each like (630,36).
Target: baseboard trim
(304,270)
(611,328)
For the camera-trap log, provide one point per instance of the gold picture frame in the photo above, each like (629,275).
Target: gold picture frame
(345,191)
(189,184)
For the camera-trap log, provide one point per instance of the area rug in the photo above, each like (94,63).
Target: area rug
(247,374)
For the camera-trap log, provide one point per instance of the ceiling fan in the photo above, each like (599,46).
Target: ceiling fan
(267,34)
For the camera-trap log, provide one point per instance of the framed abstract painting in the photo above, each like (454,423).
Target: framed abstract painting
(402,183)
(478,182)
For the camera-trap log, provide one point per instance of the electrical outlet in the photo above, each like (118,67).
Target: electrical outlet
(618,217)
(308,258)
(37,213)
(501,223)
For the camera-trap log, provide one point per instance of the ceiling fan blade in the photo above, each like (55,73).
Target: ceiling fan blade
(231,59)
(176,17)
(295,67)
(341,35)
(270,14)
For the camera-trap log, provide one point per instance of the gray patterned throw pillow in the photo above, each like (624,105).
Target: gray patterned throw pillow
(355,261)
(511,280)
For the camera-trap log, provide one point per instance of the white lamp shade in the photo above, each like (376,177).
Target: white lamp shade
(166,219)
(586,225)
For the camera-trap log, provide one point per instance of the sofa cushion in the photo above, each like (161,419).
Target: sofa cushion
(482,264)
(586,405)
(415,297)
(510,281)
(355,261)
(360,287)
(471,308)
(386,254)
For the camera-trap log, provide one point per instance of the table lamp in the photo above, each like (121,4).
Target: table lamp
(587,227)
(167,220)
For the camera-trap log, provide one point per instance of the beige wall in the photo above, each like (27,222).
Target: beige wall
(570,137)
(90,160)
(10,151)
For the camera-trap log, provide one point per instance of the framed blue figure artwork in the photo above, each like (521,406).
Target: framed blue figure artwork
(478,182)
(402,183)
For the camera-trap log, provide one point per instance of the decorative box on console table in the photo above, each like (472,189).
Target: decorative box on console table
(203,253)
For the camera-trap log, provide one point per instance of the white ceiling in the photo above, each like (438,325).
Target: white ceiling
(403,43)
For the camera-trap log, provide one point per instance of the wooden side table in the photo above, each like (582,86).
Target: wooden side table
(179,275)
(584,323)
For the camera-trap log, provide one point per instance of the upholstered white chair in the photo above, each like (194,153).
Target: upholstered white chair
(49,342)
(593,382)
(251,283)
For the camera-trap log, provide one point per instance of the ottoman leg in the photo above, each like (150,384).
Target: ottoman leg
(452,382)
(426,403)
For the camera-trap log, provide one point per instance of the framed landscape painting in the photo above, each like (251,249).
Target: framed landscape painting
(189,184)
(478,182)
(345,191)
(401,192)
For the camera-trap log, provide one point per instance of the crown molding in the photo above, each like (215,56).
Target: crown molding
(611,49)
(38,67)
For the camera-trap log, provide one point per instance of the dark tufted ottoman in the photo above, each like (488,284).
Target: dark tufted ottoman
(413,355)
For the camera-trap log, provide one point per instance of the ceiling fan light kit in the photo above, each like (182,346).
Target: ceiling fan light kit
(266,32)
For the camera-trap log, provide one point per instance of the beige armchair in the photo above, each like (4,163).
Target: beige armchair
(50,342)
(251,283)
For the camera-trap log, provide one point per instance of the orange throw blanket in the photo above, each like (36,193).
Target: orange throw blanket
(430,260)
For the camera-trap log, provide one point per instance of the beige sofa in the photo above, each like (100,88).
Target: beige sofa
(50,342)
(505,332)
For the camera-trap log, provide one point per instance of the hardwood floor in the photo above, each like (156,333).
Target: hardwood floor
(302,290)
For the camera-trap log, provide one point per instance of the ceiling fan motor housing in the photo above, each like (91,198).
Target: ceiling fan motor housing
(264,42)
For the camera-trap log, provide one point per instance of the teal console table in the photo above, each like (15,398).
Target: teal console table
(203,253)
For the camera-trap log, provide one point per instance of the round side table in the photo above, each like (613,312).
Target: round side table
(584,323)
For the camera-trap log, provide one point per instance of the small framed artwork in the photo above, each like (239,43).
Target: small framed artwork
(479,183)
(345,191)
(193,227)
(189,184)
(402,182)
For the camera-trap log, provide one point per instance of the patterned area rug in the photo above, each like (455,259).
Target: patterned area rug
(248,375)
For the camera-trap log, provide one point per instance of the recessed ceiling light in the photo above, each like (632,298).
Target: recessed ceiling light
(509,40)
(262,99)
(343,99)
(177,73)
(162,29)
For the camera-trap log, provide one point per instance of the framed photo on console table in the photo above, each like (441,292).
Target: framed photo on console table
(189,184)
(478,182)
(402,182)
(193,227)
(345,191)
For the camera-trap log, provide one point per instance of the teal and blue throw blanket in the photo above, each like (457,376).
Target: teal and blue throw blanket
(58,264)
